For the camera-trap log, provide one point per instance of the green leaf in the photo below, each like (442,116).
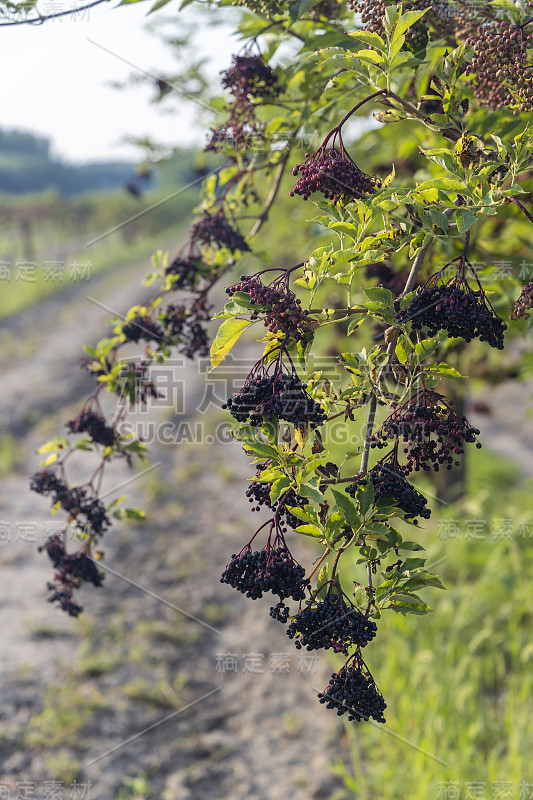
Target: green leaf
(304,515)
(354,325)
(369,38)
(322,576)
(406,606)
(365,496)
(228,334)
(406,21)
(310,489)
(260,449)
(424,348)
(380,295)
(464,219)
(279,487)
(135,513)
(401,350)
(442,368)
(310,530)
(385,589)
(347,508)
(371,57)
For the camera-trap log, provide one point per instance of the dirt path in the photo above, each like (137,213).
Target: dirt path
(171,684)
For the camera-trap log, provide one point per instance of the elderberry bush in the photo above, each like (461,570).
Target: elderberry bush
(461,312)
(389,482)
(282,310)
(353,691)
(432,433)
(282,396)
(271,569)
(333,174)
(331,623)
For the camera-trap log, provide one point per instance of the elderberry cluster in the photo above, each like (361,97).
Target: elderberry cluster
(94,425)
(446,16)
(460,312)
(72,570)
(417,422)
(184,327)
(215,229)
(280,395)
(354,691)
(75,500)
(389,482)
(141,327)
(249,77)
(259,494)
(271,569)
(501,66)
(521,307)
(185,271)
(331,623)
(266,8)
(282,310)
(334,175)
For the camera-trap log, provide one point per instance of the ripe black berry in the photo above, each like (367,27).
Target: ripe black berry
(215,229)
(433,435)
(281,309)
(388,481)
(352,690)
(281,395)
(457,309)
(271,569)
(331,622)
(333,174)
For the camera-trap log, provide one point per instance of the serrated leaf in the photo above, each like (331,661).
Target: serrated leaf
(310,530)
(464,219)
(354,325)
(304,515)
(426,347)
(406,21)
(347,508)
(380,295)
(228,334)
(365,496)
(409,606)
(278,488)
(401,351)
(442,368)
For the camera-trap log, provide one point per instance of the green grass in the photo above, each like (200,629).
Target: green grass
(458,682)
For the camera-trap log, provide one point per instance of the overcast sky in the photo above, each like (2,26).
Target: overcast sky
(55,75)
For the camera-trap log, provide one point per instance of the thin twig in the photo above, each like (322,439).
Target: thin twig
(272,196)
